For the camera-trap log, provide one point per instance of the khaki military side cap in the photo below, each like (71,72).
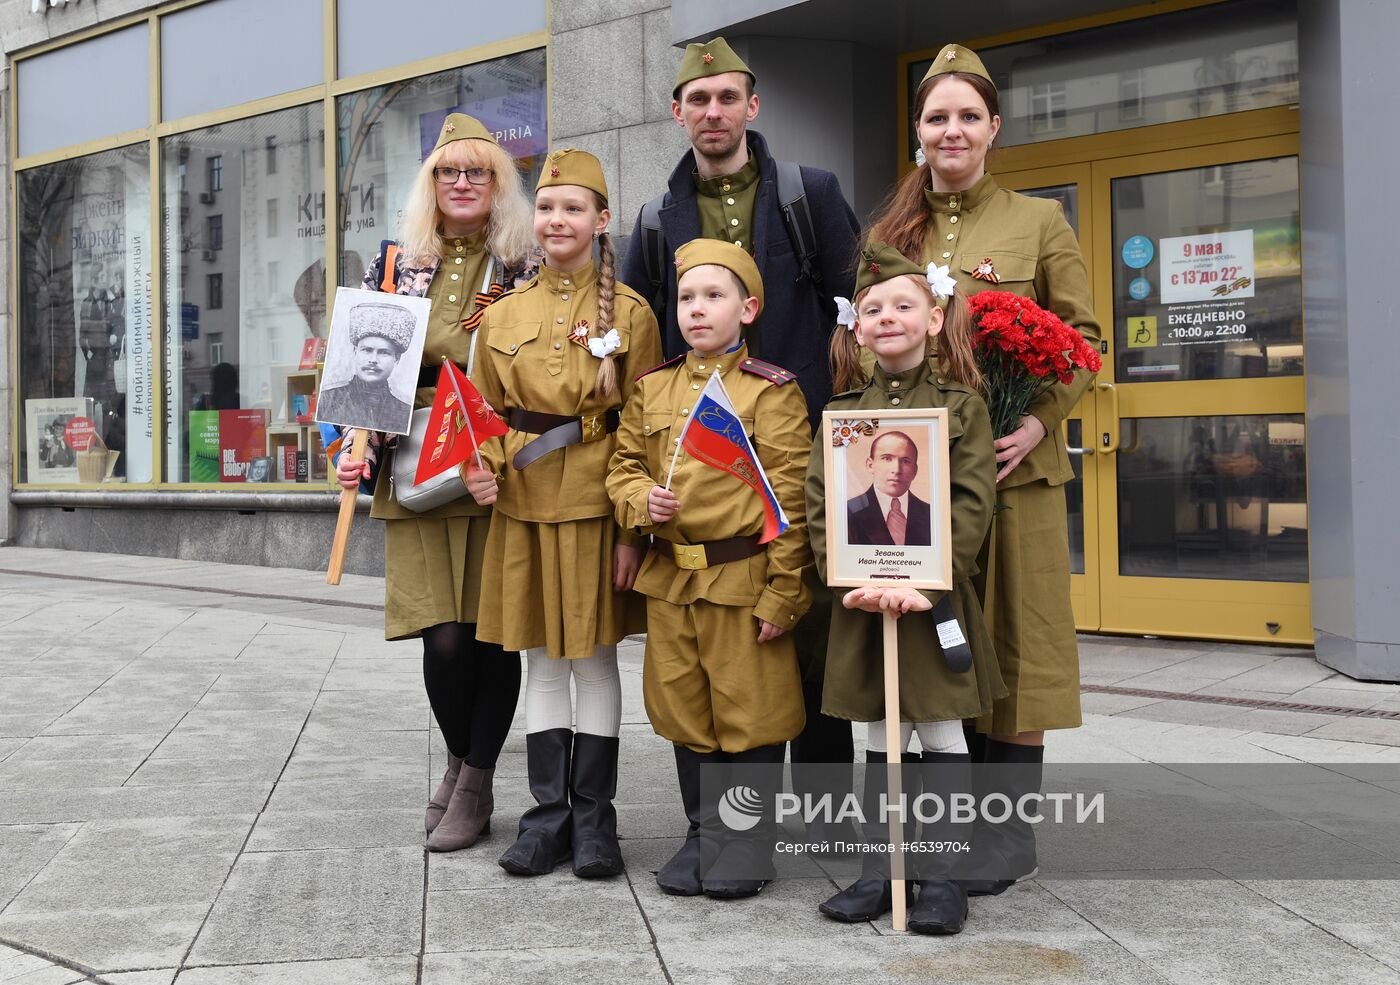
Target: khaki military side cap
(570,166)
(879,263)
(460,126)
(704,59)
(699,252)
(386,321)
(956,58)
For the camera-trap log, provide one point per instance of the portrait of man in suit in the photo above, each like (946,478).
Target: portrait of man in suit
(887,512)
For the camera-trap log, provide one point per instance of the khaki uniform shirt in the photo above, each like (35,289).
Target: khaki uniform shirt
(452,301)
(526,360)
(1036,255)
(714,504)
(726,205)
(928,690)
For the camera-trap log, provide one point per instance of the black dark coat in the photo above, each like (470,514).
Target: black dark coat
(798,318)
(865,524)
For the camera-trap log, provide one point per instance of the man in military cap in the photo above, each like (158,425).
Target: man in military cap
(730,188)
(381,333)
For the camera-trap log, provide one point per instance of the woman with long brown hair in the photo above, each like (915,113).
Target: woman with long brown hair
(950,211)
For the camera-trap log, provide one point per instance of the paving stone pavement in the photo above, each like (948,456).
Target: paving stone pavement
(215,774)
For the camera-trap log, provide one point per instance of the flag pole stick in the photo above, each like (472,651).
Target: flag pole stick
(462,409)
(674,455)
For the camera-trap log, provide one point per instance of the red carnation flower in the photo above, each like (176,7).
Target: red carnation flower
(1023,350)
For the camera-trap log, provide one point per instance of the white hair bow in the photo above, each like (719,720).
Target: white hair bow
(845,313)
(605,346)
(940,282)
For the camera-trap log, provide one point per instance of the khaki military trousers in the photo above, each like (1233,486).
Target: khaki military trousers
(710,685)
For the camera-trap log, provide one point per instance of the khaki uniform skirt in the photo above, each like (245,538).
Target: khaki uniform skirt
(432,572)
(1028,610)
(555,588)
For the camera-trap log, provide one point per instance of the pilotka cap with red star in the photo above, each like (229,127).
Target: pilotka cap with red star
(704,59)
(956,58)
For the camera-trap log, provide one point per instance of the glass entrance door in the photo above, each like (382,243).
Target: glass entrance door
(1191,514)
(1070,186)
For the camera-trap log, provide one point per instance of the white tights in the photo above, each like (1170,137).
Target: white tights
(933,736)
(547,703)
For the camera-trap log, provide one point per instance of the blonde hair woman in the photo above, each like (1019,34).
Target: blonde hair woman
(464,240)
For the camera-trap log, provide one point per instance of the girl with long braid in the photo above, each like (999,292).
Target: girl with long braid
(562,353)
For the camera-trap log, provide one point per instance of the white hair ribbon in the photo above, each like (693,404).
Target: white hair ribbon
(940,282)
(845,313)
(605,346)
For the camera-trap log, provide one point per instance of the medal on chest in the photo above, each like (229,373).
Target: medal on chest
(986,271)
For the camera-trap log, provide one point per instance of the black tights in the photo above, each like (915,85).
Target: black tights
(472,687)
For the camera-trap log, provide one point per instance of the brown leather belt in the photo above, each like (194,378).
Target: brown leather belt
(533,422)
(558,431)
(694,557)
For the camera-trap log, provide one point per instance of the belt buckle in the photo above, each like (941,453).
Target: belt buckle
(592,428)
(690,557)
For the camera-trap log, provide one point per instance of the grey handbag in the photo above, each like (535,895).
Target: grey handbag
(445,487)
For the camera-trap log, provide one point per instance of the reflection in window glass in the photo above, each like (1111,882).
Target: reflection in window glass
(1206,61)
(1213,497)
(385,133)
(85,347)
(241,299)
(1207,273)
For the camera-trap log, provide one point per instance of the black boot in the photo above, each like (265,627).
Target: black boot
(745,861)
(597,855)
(543,841)
(1005,853)
(821,759)
(871,896)
(682,875)
(942,904)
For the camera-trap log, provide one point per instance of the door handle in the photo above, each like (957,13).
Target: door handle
(1080,451)
(1110,440)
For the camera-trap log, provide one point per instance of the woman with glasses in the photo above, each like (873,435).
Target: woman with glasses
(465,238)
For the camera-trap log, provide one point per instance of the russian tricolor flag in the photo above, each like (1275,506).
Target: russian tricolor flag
(715,436)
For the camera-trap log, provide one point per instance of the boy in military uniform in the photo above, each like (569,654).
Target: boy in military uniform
(720,678)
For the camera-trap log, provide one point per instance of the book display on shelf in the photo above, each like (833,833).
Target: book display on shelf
(242,438)
(204,446)
(287,464)
(49,456)
(313,352)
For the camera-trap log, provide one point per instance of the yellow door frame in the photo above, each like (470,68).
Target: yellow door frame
(1214,608)
(1084,588)
(1104,600)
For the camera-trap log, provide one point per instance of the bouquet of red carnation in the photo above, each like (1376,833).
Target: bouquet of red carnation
(1022,350)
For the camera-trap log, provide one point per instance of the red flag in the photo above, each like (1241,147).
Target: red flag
(452,436)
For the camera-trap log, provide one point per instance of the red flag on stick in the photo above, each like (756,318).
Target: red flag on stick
(460,421)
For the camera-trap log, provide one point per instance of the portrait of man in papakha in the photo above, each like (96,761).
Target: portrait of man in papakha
(381,337)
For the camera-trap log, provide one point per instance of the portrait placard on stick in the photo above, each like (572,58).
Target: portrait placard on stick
(371,372)
(887,498)
(373,357)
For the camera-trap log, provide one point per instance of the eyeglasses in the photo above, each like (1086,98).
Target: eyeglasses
(476,176)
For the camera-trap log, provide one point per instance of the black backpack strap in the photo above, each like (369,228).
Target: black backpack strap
(653,243)
(797,217)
